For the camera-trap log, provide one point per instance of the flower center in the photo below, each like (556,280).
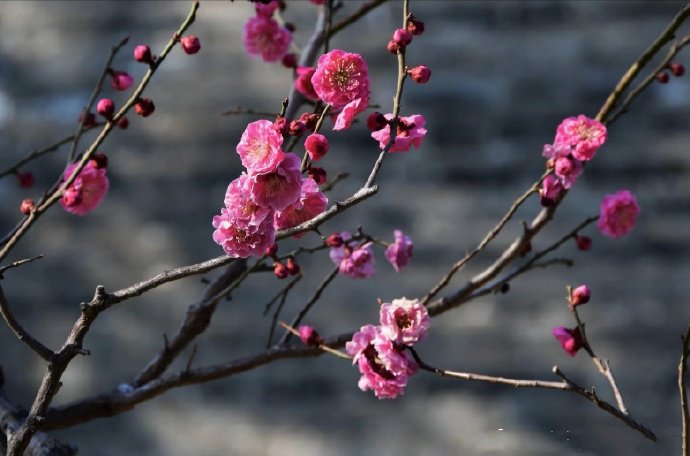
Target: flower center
(402,319)
(376,364)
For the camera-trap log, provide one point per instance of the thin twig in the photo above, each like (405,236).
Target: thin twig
(354,17)
(16,264)
(238,110)
(23,335)
(283,298)
(685,416)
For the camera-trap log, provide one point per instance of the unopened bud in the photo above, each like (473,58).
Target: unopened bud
(27,206)
(317,174)
(89,120)
(583,243)
(420,74)
(289,60)
(106,108)
(392,47)
(142,54)
(292,267)
(272,250)
(99,160)
(190,44)
(123,123)
(120,80)
(334,240)
(280,270)
(316,146)
(677,69)
(296,128)
(376,121)
(579,296)
(281,125)
(309,336)
(309,120)
(144,107)
(662,77)
(402,37)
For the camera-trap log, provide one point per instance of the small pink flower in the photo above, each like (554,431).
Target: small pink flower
(568,169)
(551,190)
(310,204)
(349,112)
(571,340)
(303,82)
(579,296)
(341,77)
(617,214)
(279,188)
(399,252)
(317,146)
(404,321)
(87,191)
(259,147)
(240,240)
(583,134)
(385,369)
(410,132)
(245,211)
(263,36)
(354,262)
(120,80)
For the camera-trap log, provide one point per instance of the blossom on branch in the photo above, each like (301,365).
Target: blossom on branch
(240,239)
(582,134)
(356,262)
(404,321)
(399,252)
(571,339)
(617,214)
(260,147)
(410,132)
(280,187)
(87,191)
(385,368)
(310,204)
(265,37)
(303,82)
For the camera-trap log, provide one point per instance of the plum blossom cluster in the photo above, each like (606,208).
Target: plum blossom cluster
(356,260)
(577,141)
(270,195)
(380,351)
(263,36)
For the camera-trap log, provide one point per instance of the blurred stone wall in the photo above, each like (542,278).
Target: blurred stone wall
(504,75)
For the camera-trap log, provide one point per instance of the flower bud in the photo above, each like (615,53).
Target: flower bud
(99,160)
(415,26)
(317,174)
(296,128)
(272,250)
(190,44)
(280,270)
(420,74)
(25,179)
(677,69)
(292,267)
(402,37)
(571,339)
(309,120)
(281,125)
(144,107)
(142,54)
(71,197)
(392,47)
(376,121)
(27,206)
(289,60)
(89,120)
(334,240)
(583,243)
(578,296)
(120,80)
(106,108)
(123,123)
(317,146)
(662,77)
(309,336)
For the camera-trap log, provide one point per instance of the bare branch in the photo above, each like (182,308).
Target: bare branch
(22,334)
(682,370)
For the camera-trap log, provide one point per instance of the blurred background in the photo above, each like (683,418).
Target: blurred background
(504,75)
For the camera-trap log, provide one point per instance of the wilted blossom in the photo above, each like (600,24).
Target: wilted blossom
(87,191)
(399,252)
(280,187)
(584,135)
(356,262)
(617,214)
(571,339)
(240,239)
(310,204)
(385,368)
(410,132)
(303,82)
(259,148)
(265,37)
(404,321)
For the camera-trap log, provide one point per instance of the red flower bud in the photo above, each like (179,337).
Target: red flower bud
(317,174)
(144,107)
(583,243)
(292,267)
(578,296)
(297,128)
(309,336)
(402,37)
(317,146)
(415,26)
(272,250)
(106,108)
(677,69)
(27,206)
(25,179)
(89,121)
(309,120)
(142,54)
(376,121)
(280,270)
(281,125)
(120,80)
(420,74)
(123,123)
(190,44)
(289,60)
(662,77)
(334,240)
(99,160)
(392,47)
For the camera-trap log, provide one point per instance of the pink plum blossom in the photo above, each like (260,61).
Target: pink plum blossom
(571,339)
(120,80)
(87,191)
(410,132)
(340,78)
(317,146)
(246,212)
(399,252)
(279,188)
(385,369)
(303,82)
(240,239)
(617,214)
(354,262)
(551,190)
(404,321)
(568,169)
(259,147)
(265,37)
(584,135)
(310,204)
(344,119)
(555,151)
